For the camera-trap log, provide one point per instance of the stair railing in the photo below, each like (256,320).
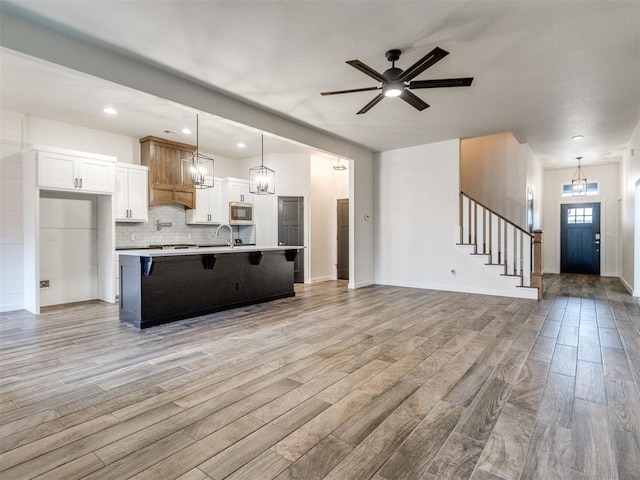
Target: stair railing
(502,241)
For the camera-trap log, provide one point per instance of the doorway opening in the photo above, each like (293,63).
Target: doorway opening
(580,238)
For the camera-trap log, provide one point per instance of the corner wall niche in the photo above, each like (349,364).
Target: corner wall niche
(83,191)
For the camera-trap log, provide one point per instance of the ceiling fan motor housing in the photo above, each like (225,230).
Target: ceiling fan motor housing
(393,55)
(392,73)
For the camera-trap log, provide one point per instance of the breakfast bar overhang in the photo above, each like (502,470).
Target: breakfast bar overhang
(161,286)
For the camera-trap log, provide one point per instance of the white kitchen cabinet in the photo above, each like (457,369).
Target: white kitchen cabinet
(90,173)
(233,190)
(208,205)
(130,198)
(238,190)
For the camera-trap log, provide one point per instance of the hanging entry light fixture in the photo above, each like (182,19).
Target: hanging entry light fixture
(579,181)
(197,169)
(340,164)
(262,180)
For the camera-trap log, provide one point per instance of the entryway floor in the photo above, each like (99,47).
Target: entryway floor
(383,383)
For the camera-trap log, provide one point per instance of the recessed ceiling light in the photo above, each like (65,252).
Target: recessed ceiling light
(110,111)
(186,131)
(241,145)
(577,137)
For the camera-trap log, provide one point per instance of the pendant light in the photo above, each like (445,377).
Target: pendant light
(340,164)
(579,182)
(197,169)
(262,180)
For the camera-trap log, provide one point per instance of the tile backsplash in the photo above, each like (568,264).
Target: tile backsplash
(131,235)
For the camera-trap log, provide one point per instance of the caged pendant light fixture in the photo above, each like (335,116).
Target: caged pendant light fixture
(340,164)
(262,180)
(578,182)
(197,169)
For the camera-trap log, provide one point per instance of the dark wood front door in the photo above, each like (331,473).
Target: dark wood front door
(291,230)
(343,239)
(580,238)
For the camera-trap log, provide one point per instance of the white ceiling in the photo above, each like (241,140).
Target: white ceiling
(544,70)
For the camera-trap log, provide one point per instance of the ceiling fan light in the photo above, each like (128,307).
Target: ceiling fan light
(393,89)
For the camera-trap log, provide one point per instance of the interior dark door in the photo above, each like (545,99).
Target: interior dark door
(580,238)
(343,239)
(291,230)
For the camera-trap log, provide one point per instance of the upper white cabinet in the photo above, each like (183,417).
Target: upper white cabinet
(237,190)
(130,197)
(208,205)
(77,172)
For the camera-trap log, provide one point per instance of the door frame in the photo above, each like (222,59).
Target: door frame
(558,222)
(334,234)
(307,227)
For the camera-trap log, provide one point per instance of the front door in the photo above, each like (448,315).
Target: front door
(291,230)
(343,239)
(580,238)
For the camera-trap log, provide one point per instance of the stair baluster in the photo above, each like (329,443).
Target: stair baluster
(503,242)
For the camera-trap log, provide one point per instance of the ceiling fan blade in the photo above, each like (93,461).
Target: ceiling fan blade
(421,65)
(413,100)
(367,70)
(351,91)
(371,104)
(442,82)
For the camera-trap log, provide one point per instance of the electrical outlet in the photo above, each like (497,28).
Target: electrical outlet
(133,236)
(45,284)
(188,236)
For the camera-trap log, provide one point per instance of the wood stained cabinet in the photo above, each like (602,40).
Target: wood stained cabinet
(164,159)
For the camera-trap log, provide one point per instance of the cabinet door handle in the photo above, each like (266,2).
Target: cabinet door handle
(81,183)
(75,182)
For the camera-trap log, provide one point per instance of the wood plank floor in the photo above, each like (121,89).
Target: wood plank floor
(381,383)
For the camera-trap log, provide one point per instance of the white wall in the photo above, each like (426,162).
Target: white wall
(630,215)
(49,133)
(11,223)
(11,234)
(535,183)
(493,172)
(416,230)
(608,178)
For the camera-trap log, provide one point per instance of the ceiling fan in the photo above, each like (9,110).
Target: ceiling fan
(397,83)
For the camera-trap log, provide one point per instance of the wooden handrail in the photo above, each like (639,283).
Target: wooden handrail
(497,215)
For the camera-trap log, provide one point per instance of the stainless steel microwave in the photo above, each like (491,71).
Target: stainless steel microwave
(240,213)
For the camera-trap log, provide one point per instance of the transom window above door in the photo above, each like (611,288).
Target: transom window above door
(580,215)
(567,189)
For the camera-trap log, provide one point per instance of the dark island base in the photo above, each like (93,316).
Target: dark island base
(160,290)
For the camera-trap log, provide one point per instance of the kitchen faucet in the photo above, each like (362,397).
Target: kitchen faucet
(230,242)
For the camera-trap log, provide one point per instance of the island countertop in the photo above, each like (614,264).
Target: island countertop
(159,252)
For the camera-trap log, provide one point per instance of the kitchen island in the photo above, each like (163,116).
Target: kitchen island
(159,286)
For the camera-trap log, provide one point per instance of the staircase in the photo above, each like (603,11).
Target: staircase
(505,249)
